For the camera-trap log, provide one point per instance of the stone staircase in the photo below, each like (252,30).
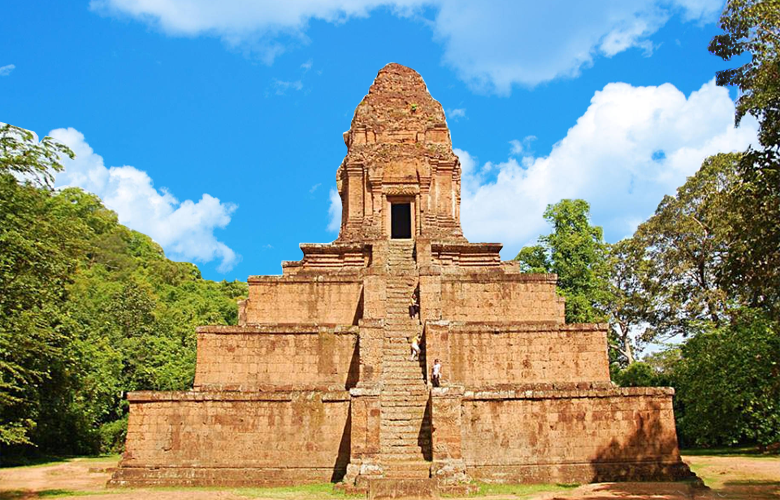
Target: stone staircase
(405,430)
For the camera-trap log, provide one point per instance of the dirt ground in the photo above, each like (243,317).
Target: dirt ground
(726,477)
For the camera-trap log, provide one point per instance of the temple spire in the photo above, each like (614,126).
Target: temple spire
(400,178)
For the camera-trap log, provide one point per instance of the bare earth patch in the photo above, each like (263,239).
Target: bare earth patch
(727,477)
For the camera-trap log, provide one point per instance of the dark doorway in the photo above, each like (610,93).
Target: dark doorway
(401,220)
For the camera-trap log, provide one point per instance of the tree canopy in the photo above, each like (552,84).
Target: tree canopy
(89,310)
(575,251)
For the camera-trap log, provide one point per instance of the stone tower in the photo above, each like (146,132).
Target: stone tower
(399,165)
(316,383)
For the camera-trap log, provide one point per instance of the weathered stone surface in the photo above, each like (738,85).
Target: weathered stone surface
(318,383)
(399,150)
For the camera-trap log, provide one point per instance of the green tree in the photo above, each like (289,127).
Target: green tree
(728,382)
(89,310)
(39,246)
(628,298)
(575,251)
(685,244)
(752,28)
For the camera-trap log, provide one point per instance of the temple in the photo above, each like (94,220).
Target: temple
(316,383)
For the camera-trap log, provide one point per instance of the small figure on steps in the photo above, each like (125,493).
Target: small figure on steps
(416,346)
(414,304)
(436,373)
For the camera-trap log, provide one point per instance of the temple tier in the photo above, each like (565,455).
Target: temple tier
(317,382)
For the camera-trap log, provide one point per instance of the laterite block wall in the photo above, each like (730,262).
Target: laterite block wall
(276,357)
(296,299)
(569,436)
(484,355)
(508,298)
(216,438)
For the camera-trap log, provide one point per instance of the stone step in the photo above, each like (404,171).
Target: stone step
(402,455)
(412,469)
(401,386)
(417,399)
(413,446)
(408,427)
(410,450)
(406,432)
(400,390)
(400,396)
(403,412)
(392,388)
(398,373)
(400,416)
(416,406)
(411,410)
(392,488)
(405,436)
(391,425)
(419,404)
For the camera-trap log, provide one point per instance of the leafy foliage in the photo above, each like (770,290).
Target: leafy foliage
(575,251)
(38,256)
(682,249)
(752,28)
(627,299)
(728,382)
(89,310)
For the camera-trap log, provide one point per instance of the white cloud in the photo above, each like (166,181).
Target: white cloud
(496,44)
(632,146)
(491,44)
(520,147)
(266,27)
(281,86)
(457,113)
(6,70)
(184,229)
(334,211)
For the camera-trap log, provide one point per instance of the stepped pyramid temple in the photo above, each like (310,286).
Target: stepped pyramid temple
(316,382)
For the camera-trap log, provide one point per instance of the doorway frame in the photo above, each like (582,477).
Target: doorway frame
(388,219)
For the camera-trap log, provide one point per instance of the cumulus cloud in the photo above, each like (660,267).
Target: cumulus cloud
(491,44)
(6,70)
(630,147)
(266,27)
(184,229)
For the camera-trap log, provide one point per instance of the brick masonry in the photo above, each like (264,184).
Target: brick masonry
(277,357)
(501,297)
(495,354)
(189,437)
(317,382)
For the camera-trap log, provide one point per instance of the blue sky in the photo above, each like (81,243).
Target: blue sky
(215,127)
